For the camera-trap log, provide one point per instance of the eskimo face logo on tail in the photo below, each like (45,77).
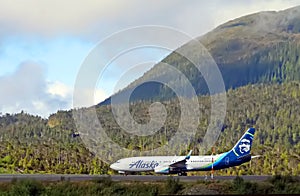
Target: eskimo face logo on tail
(244,146)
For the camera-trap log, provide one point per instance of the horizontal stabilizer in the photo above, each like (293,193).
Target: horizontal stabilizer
(244,157)
(256,156)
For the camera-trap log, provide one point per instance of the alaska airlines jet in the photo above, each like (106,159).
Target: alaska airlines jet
(238,155)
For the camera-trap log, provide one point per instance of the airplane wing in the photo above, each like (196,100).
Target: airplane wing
(180,162)
(177,163)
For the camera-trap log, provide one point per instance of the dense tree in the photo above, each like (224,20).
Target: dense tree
(30,144)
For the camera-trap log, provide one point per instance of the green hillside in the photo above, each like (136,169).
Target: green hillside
(258,48)
(30,144)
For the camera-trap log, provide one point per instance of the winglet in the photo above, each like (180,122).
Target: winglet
(189,155)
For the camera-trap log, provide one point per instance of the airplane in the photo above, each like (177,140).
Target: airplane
(180,165)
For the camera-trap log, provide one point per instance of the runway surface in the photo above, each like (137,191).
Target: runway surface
(146,178)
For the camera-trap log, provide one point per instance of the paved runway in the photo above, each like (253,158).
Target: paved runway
(146,178)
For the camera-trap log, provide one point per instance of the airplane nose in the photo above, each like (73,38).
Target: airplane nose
(114,166)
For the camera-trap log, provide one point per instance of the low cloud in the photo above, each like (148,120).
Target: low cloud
(26,89)
(59,89)
(87,97)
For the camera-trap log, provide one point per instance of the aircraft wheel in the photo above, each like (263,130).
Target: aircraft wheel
(182,174)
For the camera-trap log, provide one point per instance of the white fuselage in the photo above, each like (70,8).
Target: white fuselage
(149,163)
(238,155)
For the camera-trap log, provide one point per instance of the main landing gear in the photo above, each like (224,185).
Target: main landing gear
(182,174)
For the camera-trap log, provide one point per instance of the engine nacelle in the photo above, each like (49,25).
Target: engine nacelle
(162,170)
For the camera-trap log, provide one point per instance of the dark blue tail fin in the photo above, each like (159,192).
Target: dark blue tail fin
(243,146)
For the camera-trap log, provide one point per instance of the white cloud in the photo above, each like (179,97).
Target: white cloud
(59,89)
(99,95)
(25,83)
(26,89)
(50,17)
(236,8)
(96,18)
(88,97)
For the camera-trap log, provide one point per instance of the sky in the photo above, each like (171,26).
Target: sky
(44,43)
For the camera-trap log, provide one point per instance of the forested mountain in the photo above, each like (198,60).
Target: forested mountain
(258,56)
(262,47)
(30,144)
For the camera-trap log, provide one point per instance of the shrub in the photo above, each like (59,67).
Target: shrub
(27,187)
(173,186)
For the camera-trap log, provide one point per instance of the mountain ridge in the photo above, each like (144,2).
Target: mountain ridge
(251,49)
